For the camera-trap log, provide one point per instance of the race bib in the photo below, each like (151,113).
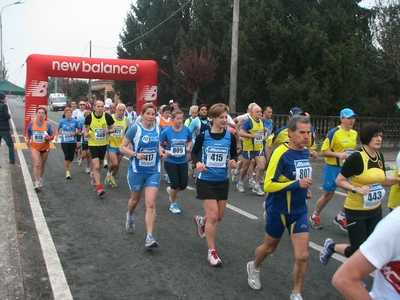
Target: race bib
(119,130)
(150,159)
(99,135)
(259,139)
(178,149)
(303,169)
(216,157)
(39,137)
(375,196)
(67,136)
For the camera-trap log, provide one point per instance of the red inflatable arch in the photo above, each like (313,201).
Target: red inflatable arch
(40,67)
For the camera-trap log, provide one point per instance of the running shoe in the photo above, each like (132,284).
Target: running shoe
(68,175)
(100,192)
(40,183)
(107,180)
(234,175)
(166,178)
(341,223)
(129,225)
(240,187)
(200,228)
(92,179)
(252,183)
(168,189)
(87,171)
(150,242)
(105,165)
(295,296)
(214,259)
(174,208)
(253,277)
(326,252)
(258,190)
(36,186)
(80,162)
(113,182)
(315,221)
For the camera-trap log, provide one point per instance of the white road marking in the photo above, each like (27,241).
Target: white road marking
(57,278)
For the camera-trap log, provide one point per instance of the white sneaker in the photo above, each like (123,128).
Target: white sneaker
(174,208)
(214,259)
(252,183)
(253,277)
(234,175)
(240,187)
(36,186)
(257,189)
(87,171)
(295,296)
(80,162)
(40,183)
(92,179)
(200,228)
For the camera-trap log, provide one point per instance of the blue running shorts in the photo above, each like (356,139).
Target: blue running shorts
(252,154)
(137,181)
(330,175)
(295,223)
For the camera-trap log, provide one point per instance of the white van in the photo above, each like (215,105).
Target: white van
(57,102)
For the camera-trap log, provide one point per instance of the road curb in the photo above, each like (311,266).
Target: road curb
(11,282)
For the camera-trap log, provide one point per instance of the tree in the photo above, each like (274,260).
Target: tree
(197,70)
(385,25)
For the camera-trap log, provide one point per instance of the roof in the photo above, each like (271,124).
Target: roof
(10,89)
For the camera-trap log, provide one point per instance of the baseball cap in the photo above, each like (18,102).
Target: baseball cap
(2,96)
(347,113)
(129,104)
(171,101)
(107,105)
(296,111)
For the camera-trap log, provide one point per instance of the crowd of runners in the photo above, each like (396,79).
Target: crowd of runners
(207,144)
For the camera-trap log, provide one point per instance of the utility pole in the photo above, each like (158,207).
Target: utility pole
(90,82)
(234,56)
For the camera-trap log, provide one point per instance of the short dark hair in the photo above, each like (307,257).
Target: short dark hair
(368,131)
(203,105)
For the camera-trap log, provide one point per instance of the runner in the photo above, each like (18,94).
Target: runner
(178,142)
(144,170)
(85,153)
(252,131)
(38,136)
(363,177)
(287,183)
(69,132)
(97,125)
(115,140)
(213,152)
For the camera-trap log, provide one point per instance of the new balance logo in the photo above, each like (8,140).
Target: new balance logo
(37,88)
(148,93)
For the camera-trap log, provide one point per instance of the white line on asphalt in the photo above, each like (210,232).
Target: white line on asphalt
(242,212)
(57,278)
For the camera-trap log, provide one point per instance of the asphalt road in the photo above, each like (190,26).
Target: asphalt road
(73,244)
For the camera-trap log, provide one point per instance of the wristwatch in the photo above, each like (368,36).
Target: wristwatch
(135,154)
(354,189)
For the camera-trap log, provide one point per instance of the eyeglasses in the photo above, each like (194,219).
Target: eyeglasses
(378,135)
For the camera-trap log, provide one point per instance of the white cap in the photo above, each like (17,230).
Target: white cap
(171,101)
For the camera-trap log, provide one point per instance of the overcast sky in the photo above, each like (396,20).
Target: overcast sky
(62,27)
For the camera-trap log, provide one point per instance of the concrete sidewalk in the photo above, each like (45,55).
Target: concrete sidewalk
(11,282)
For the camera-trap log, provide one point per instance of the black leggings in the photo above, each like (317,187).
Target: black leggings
(178,175)
(359,230)
(69,151)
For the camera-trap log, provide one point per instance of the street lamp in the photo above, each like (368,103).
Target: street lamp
(1,38)
(3,71)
